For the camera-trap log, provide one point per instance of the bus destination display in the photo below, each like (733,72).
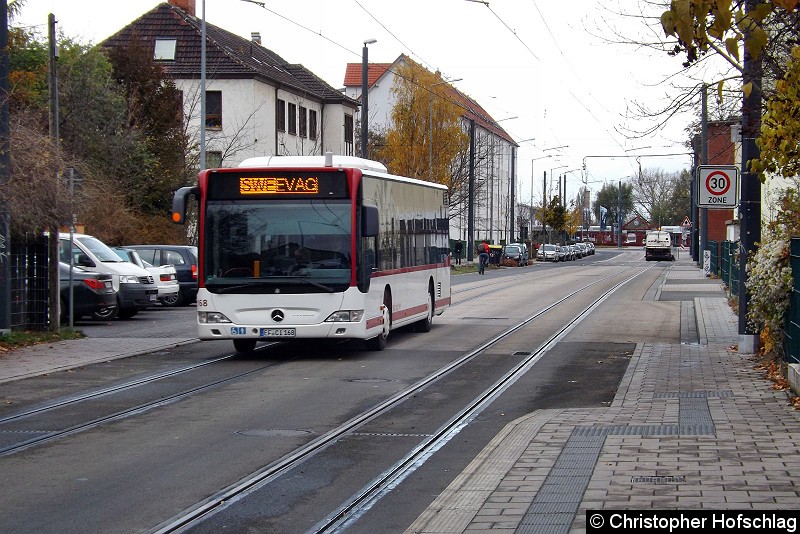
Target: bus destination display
(275,185)
(233,185)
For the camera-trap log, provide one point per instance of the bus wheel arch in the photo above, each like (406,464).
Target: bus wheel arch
(379,342)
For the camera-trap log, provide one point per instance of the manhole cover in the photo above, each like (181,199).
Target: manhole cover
(274,432)
(368,380)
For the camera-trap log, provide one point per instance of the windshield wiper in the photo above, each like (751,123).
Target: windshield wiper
(226,289)
(315,284)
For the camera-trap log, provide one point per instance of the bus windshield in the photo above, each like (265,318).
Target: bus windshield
(277,246)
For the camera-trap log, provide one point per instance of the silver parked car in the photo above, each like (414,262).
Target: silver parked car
(548,252)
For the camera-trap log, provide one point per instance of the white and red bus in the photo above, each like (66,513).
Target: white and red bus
(313,247)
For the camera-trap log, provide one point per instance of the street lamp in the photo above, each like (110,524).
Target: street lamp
(506,119)
(430,124)
(364,96)
(554,148)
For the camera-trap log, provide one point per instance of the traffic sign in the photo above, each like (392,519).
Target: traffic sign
(717,186)
(686,222)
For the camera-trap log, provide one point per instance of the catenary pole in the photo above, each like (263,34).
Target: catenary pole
(750,195)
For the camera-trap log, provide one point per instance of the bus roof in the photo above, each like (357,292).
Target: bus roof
(374,168)
(315,161)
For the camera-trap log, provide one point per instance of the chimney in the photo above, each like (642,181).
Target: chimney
(186,5)
(256,38)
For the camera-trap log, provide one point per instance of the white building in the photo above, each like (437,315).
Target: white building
(495,154)
(257,103)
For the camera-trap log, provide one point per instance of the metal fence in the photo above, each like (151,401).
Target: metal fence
(791,335)
(729,266)
(29,284)
(713,247)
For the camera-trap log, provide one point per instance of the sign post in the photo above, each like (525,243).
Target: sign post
(717,186)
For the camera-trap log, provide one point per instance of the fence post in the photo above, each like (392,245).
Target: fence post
(791,331)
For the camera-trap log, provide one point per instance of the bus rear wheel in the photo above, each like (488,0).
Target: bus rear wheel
(424,325)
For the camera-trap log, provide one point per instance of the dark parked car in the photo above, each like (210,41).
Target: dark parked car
(515,255)
(183,258)
(92,293)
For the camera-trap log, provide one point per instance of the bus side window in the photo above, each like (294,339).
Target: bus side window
(369,263)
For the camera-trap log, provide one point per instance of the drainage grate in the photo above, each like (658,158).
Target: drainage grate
(693,394)
(557,501)
(390,435)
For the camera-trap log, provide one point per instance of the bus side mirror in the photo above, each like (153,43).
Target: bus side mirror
(179,203)
(369,221)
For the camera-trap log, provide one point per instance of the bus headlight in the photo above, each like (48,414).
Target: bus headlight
(212,317)
(345,316)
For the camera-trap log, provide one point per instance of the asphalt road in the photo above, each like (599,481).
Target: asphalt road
(131,474)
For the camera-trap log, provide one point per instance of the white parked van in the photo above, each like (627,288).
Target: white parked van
(136,289)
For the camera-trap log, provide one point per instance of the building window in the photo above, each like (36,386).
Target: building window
(165,49)
(348,135)
(312,124)
(214,110)
(213,159)
(303,122)
(292,118)
(281,115)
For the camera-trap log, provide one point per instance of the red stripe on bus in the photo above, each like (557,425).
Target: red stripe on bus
(374,322)
(390,272)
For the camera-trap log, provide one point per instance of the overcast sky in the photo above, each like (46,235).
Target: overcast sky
(541,61)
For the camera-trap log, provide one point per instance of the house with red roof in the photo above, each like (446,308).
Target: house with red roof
(257,103)
(495,153)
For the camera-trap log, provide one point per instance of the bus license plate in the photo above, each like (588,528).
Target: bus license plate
(277,332)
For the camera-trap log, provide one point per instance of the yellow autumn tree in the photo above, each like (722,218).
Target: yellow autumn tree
(427,134)
(779,142)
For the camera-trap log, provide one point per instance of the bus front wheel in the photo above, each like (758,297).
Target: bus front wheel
(379,342)
(244,345)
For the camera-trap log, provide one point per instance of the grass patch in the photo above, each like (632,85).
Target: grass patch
(16,340)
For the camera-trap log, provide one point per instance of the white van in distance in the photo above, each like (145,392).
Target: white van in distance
(136,289)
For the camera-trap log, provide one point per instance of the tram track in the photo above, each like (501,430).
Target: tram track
(352,508)
(41,437)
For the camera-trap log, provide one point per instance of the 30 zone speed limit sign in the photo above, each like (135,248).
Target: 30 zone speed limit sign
(717,186)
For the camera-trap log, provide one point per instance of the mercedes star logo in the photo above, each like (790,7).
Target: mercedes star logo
(277,316)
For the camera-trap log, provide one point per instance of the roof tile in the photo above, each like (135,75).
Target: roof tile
(227,55)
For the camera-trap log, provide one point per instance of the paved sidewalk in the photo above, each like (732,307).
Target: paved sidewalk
(63,355)
(693,426)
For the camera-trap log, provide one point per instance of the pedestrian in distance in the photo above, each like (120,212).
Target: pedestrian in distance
(483,257)
(458,247)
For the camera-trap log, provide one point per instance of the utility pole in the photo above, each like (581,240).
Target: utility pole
(5,176)
(704,161)
(471,199)
(513,186)
(52,240)
(544,207)
(750,196)
(365,97)
(619,215)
